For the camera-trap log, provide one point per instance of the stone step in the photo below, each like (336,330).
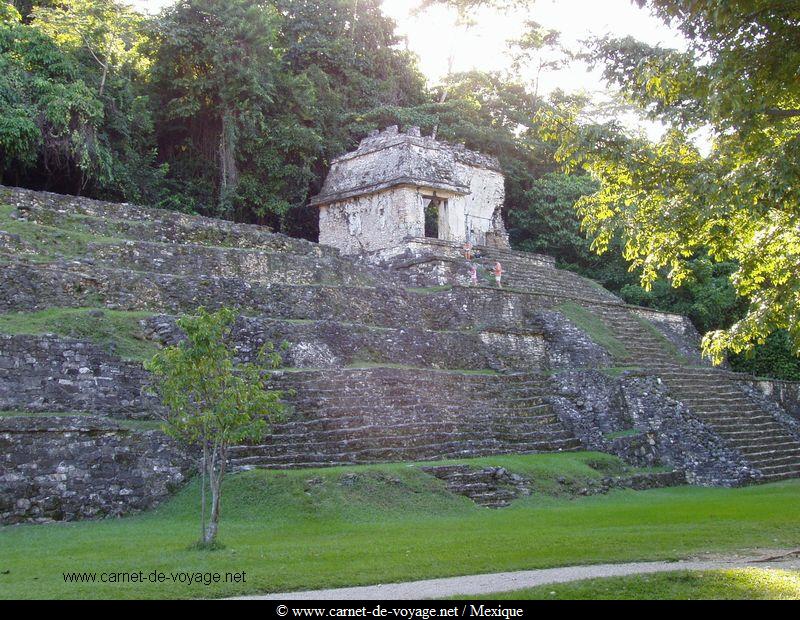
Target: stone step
(788,471)
(420,428)
(249,264)
(774,460)
(403,441)
(746,435)
(761,422)
(433,452)
(785,448)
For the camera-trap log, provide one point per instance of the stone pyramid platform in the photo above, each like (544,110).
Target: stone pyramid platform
(393,356)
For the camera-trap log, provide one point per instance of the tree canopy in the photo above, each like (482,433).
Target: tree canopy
(668,200)
(235,108)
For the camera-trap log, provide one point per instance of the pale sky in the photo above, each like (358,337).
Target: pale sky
(434,37)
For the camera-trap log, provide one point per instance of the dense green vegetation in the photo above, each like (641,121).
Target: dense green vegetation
(734,584)
(734,198)
(377,524)
(234,109)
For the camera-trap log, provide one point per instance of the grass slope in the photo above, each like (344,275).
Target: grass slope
(736,584)
(117,331)
(377,524)
(50,242)
(595,328)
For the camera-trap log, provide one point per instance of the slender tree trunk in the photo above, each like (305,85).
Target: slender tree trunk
(229,174)
(216,474)
(105,69)
(445,92)
(103,79)
(203,491)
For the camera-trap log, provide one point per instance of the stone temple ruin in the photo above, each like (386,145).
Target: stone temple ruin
(399,186)
(394,355)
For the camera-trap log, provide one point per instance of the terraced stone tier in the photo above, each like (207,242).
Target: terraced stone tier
(146,224)
(432,262)
(28,286)
(248,264)
(388,414)
(333,344)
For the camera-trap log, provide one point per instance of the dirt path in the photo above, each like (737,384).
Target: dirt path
(504,582)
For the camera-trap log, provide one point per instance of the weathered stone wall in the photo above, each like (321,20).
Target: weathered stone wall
(634,417)
(329,344)
(48,373)
(784,393)
(366,223)
(246,264)
(81,467)
(482,206)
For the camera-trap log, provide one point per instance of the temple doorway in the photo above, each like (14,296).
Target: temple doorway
(433,216)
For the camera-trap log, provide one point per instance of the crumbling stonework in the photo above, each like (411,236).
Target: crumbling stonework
(394,355)
(332,344)
(786,394)
(81,467)
(635,417)
(375,197)
(53,374)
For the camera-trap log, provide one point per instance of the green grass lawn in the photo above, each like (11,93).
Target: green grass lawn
(735,584)
(324,528)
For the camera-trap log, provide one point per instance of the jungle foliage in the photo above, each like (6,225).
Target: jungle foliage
(668,201)
(234,109)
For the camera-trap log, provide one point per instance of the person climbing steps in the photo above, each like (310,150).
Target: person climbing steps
(498,274)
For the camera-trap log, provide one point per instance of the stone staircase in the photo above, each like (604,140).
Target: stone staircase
(492,487)
(642,345)
(737,418)
(379,414)
(530,273)
(712,396)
